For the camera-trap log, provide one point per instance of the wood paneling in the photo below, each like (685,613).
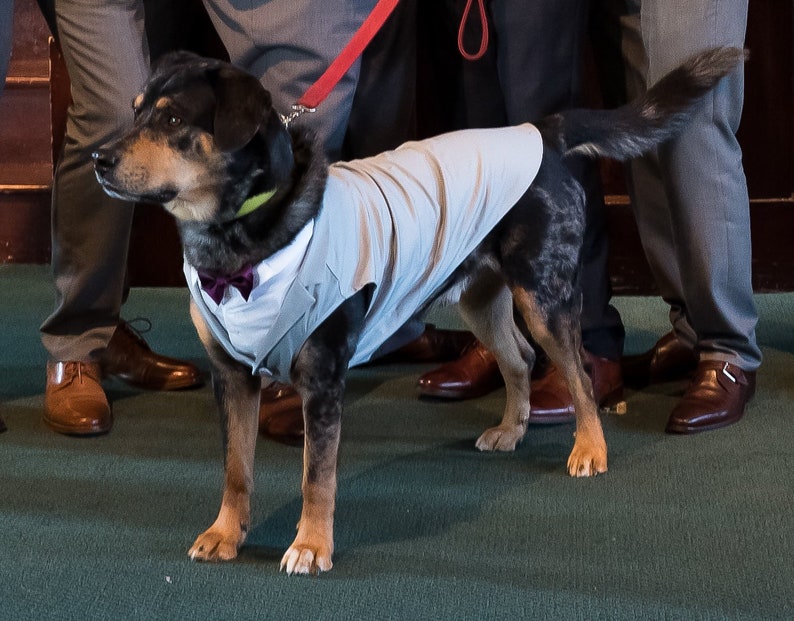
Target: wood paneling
(27,121)
(25,143)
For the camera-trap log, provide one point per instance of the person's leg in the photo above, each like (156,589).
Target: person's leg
(106,55)
(464,93)
(288,44)
(708,238)
(705,183)
(652,209)
(622,65)
(383,115)
(105,52)
(537,52)
(383,109)
(107,58)
(540,70)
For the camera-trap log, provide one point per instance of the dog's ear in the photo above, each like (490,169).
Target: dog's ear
(241,107)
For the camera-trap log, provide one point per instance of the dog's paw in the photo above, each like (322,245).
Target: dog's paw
(587,459)
(214,545)
(501,438)
(306,560)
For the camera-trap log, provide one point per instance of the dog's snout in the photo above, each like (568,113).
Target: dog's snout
(104,161)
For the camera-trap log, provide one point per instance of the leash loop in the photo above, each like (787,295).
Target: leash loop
(484,37)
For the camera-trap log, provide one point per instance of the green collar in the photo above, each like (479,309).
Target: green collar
(253,203)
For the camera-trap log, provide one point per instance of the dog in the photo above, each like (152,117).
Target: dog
(258,207)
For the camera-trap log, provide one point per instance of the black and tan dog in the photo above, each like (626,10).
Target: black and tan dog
(206,140)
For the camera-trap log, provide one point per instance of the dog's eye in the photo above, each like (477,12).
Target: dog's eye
(174,121)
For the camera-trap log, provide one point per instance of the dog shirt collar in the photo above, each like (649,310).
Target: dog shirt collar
(252,203)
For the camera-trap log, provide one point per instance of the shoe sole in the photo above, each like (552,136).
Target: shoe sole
(455,395)
(613,403)
(685,430)
(186,384)
(73,431)
(690,430)
(551,419)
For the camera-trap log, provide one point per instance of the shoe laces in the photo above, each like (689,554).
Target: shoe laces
(73,370)
(76,366)
(136,328)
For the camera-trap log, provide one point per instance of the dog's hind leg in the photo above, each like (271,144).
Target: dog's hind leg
(237,397)
(560,339)
(319,376)
(487,308)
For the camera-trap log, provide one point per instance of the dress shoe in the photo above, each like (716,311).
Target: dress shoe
(433,345)
(2,425)
(551,402)
(667,361)
(129,358)
(281,413)
(74,402)
(715,398)
(472,375)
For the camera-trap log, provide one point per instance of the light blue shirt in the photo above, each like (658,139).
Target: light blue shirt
(402,221)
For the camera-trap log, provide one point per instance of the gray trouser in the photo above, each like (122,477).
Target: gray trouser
(106,49)
(106,54)
(288,44)
(690,198)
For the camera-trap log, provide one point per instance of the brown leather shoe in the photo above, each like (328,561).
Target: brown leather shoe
(129,358)
(433,345)
(550,401)
(2,425)
(281,413)
(715,398)
(668,360)
(74,402)
(472,375)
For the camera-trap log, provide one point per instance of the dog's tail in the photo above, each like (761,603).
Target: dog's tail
(633,129)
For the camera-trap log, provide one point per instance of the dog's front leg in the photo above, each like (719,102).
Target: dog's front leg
(319,376)
(237,397)
(313,547)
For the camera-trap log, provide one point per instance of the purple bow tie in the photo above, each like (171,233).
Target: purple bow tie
(215,284)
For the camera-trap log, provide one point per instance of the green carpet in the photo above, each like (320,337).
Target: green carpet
(427,527)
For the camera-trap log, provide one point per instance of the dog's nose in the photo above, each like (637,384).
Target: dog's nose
(103,161)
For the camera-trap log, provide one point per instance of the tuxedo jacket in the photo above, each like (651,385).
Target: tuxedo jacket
(400,222)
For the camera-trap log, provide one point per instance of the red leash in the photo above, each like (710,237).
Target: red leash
(318,91)
(483,23)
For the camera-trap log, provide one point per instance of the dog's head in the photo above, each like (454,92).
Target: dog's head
(205,136)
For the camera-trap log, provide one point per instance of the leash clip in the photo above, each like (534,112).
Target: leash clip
(297,110)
